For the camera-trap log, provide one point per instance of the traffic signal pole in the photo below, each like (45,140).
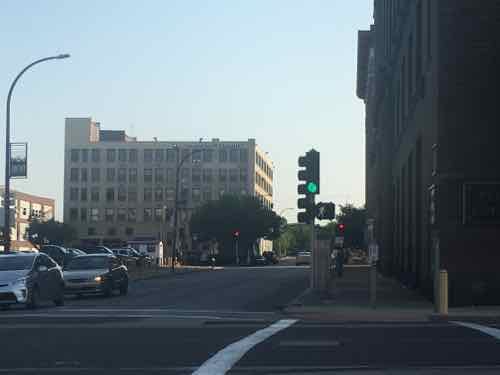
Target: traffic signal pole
(314,255)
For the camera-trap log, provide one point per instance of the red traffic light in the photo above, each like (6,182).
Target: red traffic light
(236,233)
(341,227)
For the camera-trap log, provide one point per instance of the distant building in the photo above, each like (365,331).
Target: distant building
(428,73)
(118,189)
(24,208)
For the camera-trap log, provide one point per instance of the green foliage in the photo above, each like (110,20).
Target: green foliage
(221,218)
(295,237)
(50,232)
(354,219)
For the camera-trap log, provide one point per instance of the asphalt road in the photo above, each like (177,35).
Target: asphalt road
(228,321)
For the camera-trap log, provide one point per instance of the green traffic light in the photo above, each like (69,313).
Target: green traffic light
(312,187)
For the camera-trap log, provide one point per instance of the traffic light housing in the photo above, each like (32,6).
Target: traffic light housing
(308,186)
(340,229)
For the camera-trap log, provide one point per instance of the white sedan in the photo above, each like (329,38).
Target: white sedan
(303,257)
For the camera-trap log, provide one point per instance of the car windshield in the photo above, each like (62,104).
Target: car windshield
(16,263)
(87,263)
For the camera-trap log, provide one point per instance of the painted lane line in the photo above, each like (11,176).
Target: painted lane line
(494,332)
(223,360)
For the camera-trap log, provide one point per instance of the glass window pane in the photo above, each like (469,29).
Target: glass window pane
(111,155)
(148,175)
(75,155)
(148,155)
(85,155)
(122,155)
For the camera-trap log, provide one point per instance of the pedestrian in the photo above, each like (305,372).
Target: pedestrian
(339,262)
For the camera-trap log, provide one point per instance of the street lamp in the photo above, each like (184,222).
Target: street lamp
(7,148)
(176,201)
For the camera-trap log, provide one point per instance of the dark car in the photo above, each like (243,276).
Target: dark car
(60,254)
(259,260)
(30,279)
(97,250)
(270,257)
(96,273)
(127,256)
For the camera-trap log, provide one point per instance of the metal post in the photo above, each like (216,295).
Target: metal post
(6,197)
(436,262)
(314,257)
(176,201)
(443,292)
(236,251)
(373,284)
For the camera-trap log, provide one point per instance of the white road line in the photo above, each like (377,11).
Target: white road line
(222,362)
(495,332)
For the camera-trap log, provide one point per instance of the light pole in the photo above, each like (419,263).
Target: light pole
(6,205)
(176,201)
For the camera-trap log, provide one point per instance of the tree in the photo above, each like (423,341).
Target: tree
(220,219)
(354,219)
(50,232)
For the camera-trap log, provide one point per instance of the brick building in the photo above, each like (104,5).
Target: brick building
(428,73)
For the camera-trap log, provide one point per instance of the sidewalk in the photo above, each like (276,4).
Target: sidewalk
(349,300)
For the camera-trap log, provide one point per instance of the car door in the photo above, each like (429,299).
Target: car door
(55,282)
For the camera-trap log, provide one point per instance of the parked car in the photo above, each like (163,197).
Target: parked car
(30,279)
(270,257)
(259,260)
(96,273)
(60,254)
(97,250)
(127,256)
(75,252)
(303,257)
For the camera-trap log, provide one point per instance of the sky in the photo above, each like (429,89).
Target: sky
(280,71)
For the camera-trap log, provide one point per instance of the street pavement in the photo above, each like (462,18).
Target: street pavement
(231,320)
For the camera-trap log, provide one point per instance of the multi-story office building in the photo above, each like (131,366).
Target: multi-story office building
(428,72)
(117,188)
(24,208)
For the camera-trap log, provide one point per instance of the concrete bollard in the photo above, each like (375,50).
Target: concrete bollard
(443,293)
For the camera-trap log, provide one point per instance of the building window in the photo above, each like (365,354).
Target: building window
(84,174)
(148,155)
(132,155)
(170,176)
(129,231)
(233,175)
(185,154)
(222,156)
(91,231)
(207,195)
(121,214)
(94,194)
(73,175)
(208,156)
(158,214)
(73,214)
(75,155)
(96,155)
(170,194)
(122,175)
(159,194)
(207,175)
(85,155)
(196,195)
(132,215)
(109,215)
(159,155)
(148,214)
(222,191)
(132,195)
(111,155)
(148,194)
(83,194)
(132,175)
(233,155)
(110,194)
(243,176)
(110,174)
(185,175)
(159,175)
(184,194)
(196,156)
(122,155)
(122,194)
(170,156)
(94,214)
(95,174)
(244,155)
(83,214)
(73,194)
(196,175)
(222,175)
(148,175)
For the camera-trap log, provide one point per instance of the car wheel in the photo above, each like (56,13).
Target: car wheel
(34,299)
(124,288)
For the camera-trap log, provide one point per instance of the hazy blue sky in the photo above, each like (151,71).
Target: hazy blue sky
(283,72)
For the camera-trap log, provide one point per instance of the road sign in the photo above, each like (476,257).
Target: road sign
(325,211)
(19,160)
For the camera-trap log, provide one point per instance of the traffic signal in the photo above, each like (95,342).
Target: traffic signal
(340,229)
(310,174)
(236,233)
(308,186)
(325,211)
